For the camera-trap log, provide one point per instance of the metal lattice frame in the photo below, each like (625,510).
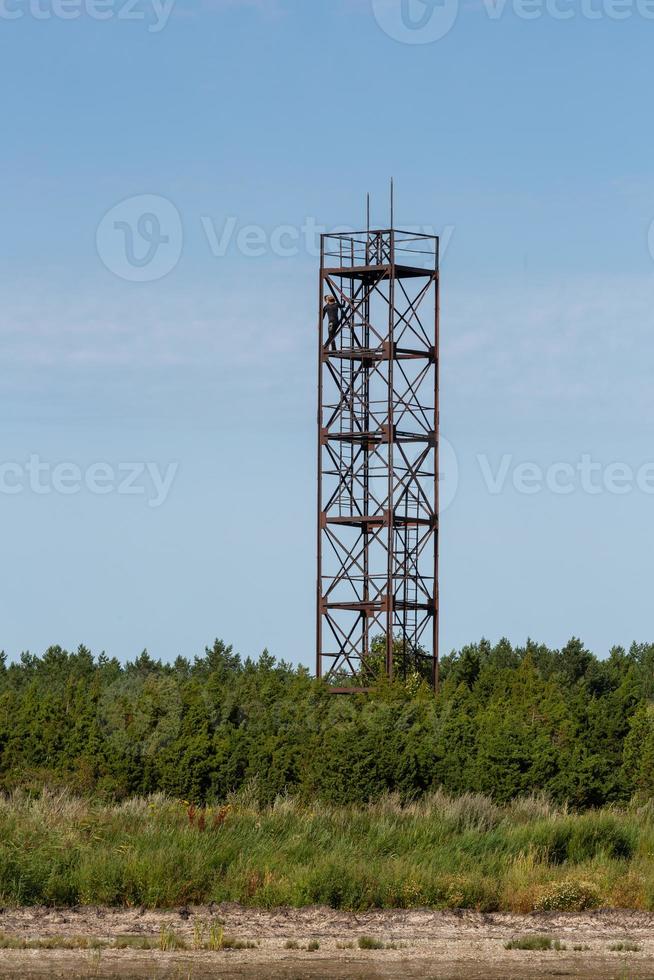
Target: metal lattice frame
(378,459)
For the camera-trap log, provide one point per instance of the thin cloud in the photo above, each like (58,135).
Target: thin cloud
(578,346)
(145,329)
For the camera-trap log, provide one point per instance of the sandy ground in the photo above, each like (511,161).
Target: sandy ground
(429,944)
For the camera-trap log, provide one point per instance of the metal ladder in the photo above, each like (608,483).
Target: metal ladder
(409,569)
(345,446)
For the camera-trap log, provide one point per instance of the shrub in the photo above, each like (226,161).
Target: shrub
(568,896)
(535,943)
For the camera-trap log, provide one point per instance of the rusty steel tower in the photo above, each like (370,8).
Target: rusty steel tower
(377,603)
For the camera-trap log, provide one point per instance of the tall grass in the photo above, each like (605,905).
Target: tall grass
(439,852)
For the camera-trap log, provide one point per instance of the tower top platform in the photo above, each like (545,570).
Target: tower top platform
(371,255)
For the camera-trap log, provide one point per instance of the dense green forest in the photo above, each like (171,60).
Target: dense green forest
(507,722)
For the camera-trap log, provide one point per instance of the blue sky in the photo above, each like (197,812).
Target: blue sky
(525,140)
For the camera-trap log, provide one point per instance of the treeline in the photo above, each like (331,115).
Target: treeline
(508,721)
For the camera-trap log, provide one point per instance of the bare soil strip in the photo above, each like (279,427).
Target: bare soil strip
(423,944)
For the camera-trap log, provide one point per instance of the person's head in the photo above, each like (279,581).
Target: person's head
(329,299)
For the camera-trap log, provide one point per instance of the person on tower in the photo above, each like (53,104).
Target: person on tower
(332,310)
